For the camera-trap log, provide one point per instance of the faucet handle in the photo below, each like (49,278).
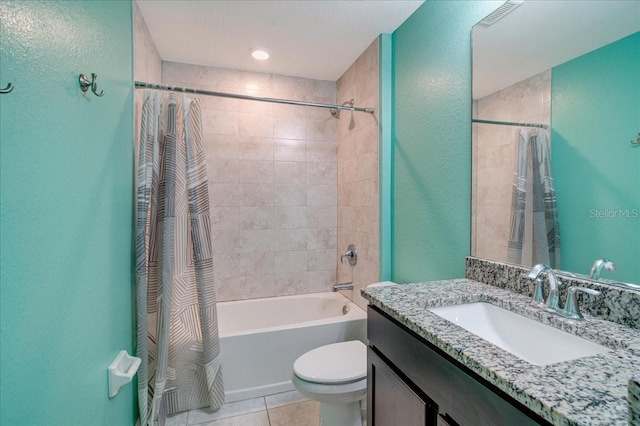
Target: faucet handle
(351,254)
(538,295)
(572,309)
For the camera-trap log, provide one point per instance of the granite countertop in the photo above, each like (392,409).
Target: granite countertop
(586,391)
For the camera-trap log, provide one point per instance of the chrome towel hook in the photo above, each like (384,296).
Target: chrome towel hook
(85,84)
(7,89)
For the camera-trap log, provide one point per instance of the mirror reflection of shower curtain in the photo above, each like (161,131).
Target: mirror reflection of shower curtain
(534,230)
(177,334)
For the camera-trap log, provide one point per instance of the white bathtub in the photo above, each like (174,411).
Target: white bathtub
(261,338)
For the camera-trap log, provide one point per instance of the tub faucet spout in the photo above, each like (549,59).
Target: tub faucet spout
(344,286)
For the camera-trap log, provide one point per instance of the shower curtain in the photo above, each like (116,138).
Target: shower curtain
(544,243)
(177,334)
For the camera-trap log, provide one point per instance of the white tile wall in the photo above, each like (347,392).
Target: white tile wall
(272,173)
(147,65)
(357,174)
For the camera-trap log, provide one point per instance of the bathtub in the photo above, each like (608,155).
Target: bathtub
(261,338)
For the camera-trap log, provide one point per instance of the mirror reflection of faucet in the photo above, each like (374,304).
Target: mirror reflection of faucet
(599,265)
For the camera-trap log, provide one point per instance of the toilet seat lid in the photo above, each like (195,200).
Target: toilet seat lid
(335,363)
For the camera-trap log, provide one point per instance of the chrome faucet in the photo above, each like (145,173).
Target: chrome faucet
(572,310)
(351,254)
(596,269)
(552,304)
(344,286)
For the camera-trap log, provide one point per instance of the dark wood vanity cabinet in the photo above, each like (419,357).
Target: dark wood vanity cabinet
(411,383)
(396,402)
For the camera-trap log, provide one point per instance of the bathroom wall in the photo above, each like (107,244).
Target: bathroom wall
(66,223)
(597,172)
(358,193)
(147,65)
(432,140)
(528,101)
(272,181)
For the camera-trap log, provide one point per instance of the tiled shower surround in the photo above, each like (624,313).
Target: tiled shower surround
(358,185)
(528,101)
(272,181)
(290,186)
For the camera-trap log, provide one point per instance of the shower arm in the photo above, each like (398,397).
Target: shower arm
(335,112)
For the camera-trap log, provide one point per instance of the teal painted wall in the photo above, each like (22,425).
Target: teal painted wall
(432,140)
(66,220)
(385,156)
(595,113)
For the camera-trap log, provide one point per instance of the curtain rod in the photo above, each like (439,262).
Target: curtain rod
(508,123)
(140,84)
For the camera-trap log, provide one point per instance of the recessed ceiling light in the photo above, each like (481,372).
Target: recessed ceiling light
(261,53)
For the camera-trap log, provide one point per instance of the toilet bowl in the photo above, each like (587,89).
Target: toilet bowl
(336,376)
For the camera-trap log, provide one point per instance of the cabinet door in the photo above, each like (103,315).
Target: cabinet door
(391,401)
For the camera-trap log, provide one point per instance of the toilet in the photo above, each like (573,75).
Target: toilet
(336,376)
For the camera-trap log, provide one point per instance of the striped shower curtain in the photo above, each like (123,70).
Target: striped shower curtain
(543,244)
(177,336)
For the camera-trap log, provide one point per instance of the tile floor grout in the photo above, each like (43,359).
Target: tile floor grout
(251,407)
(267,408)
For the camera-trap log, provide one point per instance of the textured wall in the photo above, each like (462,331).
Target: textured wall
(147,65)
(432,140)
(272,180)
(66,218)
(596,112)
(358,194)
(528,101)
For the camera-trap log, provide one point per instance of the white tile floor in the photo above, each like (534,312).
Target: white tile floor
(282,409)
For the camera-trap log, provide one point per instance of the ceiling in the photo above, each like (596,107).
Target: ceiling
(538,35)
(317,39)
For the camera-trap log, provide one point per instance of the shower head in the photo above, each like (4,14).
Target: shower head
(335,113)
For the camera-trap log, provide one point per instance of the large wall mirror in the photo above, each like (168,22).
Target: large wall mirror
(556,112)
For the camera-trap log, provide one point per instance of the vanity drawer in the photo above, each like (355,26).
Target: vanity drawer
(459,394)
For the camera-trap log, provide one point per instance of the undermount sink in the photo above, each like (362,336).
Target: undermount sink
(530,340)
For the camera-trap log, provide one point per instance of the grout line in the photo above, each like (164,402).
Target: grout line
(229,417)
(267,410)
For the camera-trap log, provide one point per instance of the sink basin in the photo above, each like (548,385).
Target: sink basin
(530,340)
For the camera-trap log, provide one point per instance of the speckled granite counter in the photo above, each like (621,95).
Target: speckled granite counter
(586,391)
(620,305)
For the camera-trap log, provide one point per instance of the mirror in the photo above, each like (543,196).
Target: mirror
(575,67)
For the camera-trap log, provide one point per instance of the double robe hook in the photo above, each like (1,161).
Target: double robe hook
(85,84)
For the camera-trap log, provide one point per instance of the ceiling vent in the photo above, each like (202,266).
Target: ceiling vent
(501,12)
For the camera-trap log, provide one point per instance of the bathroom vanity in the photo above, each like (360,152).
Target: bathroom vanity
(412,382)
(424,370)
